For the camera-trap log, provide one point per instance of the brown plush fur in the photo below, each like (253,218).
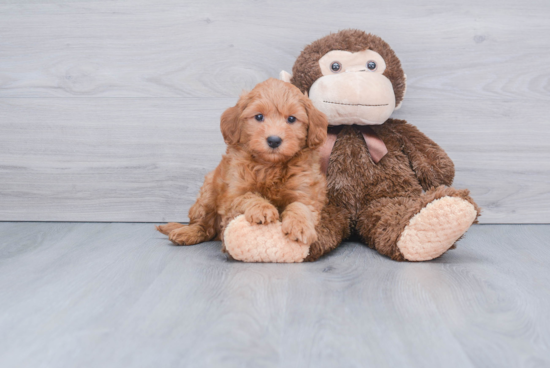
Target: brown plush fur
(382,222)
(375,201)
(263,183)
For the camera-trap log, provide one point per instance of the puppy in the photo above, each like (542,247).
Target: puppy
(270,171)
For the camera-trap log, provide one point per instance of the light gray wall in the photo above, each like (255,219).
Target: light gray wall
(109,110)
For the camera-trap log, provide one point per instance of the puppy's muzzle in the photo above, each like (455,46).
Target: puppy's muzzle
(274,141)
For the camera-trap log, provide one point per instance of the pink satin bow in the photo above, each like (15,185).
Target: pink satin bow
(375,145)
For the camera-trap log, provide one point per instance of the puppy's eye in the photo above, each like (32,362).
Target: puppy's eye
(291,119)
(259,117)
(371,65)
(335,67)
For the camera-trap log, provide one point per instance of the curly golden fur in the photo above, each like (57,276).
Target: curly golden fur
(265,184)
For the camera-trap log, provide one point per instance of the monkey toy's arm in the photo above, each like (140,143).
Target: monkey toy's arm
(430,163)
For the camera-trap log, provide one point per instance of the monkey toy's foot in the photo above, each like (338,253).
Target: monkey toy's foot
(261,243)
(435,229)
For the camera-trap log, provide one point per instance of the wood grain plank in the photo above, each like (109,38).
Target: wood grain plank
(214,49)
(121,160)
(89,295)
(146,75)
(145,159)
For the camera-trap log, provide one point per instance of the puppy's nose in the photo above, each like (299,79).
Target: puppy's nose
(274,141)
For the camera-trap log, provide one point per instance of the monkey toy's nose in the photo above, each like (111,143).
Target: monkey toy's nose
(274,141)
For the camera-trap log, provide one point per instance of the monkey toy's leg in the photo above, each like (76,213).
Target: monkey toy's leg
(418,228)
(203,219)
(333,228)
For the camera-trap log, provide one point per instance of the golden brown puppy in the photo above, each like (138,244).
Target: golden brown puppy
(269,172)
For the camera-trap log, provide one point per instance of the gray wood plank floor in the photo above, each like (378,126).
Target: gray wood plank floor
(109,110)
(119,295)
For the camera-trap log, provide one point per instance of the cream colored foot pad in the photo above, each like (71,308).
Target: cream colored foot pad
(261,243)
(432,231)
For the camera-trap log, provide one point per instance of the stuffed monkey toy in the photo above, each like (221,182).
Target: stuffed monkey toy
(387,182)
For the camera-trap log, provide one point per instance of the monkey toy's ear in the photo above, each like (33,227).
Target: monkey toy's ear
(285,76)
(404,91)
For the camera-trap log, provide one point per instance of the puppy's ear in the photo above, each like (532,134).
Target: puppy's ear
(230,125)
(230,122)
(318,124)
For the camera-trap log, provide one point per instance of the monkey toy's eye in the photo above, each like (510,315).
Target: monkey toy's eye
(259,117)
(336,67)
(371,65)
(291,119)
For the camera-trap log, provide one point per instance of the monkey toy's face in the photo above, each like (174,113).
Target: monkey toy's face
(353,88)
(351,76)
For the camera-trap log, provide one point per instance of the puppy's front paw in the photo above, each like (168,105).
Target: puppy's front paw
(299,229)
(261,213)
